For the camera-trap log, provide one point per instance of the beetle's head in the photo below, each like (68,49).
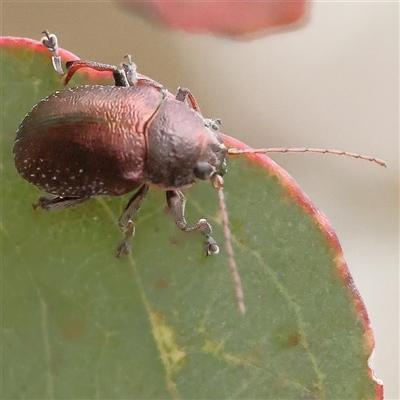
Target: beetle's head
(213,159)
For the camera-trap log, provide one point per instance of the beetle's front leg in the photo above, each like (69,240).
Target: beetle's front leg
(176,203)
(125,220)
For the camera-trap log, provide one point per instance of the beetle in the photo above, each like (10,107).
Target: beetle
(99,140)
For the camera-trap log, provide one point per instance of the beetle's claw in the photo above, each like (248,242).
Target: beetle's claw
(43,202)
(123,248)
(49,41)
(211,246)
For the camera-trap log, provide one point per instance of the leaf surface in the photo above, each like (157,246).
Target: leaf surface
(162,322)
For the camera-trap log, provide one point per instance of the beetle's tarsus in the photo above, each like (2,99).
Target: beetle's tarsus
(213,124)
(50,41)
(129,68)
(42,202)
(125,247)
(211,246)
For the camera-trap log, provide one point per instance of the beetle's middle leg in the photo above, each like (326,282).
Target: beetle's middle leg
(184,93)
(176,203)
(125,220)
(58,202)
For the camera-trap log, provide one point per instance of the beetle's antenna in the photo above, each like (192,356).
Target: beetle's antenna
(50,41)
(233,152)
(218,183)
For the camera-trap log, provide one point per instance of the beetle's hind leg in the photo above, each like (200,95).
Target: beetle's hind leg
(176,203)
(119,75)
(125,220)
(125,76)
(58,202)
(50,41)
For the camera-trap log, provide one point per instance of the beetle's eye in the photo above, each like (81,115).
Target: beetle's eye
(203,170)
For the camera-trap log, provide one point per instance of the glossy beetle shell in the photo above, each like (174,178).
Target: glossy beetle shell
(108,140)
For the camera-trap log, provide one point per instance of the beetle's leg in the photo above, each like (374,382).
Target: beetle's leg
(50,41)
(176,203)
(58,203)
(213,124)
(130,70)
(127,76)
(154,84)
(184,93)
(125,222)
(133,78)
(118,74)
(122,77)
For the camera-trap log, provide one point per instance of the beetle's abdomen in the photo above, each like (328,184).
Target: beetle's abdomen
(86,141)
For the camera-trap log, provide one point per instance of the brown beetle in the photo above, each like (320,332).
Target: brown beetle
(110,140)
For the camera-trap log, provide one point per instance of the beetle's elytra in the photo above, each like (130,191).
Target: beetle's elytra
(110,140)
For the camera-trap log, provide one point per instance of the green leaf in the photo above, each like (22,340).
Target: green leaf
(163,322)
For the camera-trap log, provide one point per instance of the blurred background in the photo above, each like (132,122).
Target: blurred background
(330,81)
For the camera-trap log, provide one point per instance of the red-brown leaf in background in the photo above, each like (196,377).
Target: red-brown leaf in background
(220,17)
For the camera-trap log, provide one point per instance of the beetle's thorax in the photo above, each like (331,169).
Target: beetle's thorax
(180,143)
